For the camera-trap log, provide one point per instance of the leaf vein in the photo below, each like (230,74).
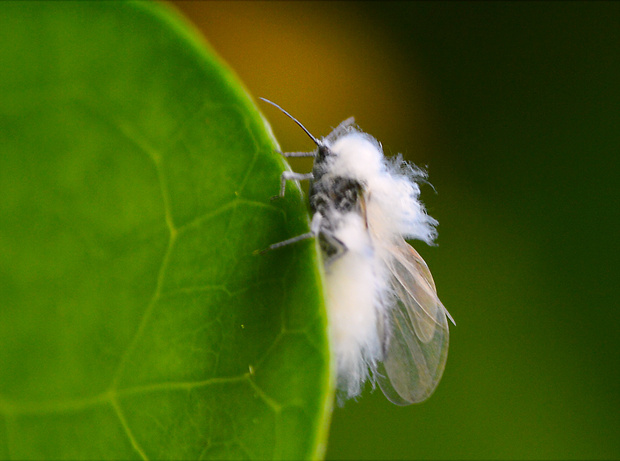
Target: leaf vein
(273,404)
(147,313)
(181,385)
(232,205)
(127,430)
(26,408)
(254,158)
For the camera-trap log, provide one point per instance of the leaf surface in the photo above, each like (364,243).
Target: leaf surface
(136,322)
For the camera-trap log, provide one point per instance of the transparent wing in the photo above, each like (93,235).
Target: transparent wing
(416,329)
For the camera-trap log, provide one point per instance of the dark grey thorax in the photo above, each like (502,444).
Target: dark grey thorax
(332,196)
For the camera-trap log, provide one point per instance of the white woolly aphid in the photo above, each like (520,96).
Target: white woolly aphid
(385,319)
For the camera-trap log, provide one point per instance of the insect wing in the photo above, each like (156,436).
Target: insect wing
(417,346)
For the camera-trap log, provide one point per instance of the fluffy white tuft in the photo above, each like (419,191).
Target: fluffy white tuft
(357,283)
(394,208)
(353,292)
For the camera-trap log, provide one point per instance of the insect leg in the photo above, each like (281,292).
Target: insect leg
(296,239)
(314,230)
(297,154)
(290,175)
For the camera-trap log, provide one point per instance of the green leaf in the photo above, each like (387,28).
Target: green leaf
(135,184)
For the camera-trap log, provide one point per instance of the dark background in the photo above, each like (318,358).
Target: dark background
(515,110)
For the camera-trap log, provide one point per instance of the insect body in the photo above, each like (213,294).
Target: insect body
(385,319)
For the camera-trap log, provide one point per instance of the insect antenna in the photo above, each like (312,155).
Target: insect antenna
(316,141)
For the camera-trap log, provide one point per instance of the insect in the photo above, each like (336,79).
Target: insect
(386,322)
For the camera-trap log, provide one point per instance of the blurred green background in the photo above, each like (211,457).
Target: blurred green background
(515,109)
